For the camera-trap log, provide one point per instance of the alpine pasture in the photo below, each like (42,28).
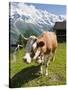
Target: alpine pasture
(26,75)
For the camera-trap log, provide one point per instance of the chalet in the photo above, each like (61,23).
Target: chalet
(60,29)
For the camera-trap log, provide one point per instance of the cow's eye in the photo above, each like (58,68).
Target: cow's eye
(40,44)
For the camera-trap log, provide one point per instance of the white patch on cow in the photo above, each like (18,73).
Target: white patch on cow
(36,54)
(34,45)
(27,57)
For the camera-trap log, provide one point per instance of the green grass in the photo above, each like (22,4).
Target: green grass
(25,75)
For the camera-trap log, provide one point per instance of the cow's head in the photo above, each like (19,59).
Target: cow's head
(29,53)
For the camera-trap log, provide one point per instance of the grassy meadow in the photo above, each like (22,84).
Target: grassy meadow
(25,75)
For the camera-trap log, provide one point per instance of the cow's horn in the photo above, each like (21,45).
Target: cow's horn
(24,37)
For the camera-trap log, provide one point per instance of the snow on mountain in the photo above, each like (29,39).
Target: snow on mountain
(33,15)
(24,17)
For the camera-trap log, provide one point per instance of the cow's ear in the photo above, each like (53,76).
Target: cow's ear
(40,44)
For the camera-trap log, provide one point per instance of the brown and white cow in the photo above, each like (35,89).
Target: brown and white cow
(42,49)
(45,48)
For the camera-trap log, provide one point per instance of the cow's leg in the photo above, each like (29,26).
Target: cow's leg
(41,69)
(46,70)
(53,56)
(47,62)
(50,57)
(46,65)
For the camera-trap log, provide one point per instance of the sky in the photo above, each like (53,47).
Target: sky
(56,9)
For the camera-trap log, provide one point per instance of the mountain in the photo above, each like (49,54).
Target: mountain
(24,18)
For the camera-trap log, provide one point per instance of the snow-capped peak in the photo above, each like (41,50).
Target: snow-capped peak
(33,15)
(27,18)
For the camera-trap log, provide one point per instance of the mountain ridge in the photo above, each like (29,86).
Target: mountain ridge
(25,17)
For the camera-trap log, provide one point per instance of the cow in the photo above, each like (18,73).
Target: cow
(44,48)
